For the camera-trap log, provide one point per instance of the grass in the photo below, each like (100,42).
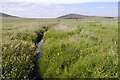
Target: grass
(88,52)
(72,49)
(0,46)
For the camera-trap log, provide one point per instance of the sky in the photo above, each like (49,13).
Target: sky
(56,8)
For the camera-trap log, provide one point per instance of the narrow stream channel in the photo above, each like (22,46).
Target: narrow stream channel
(39,48)
(36,74)
(38,42)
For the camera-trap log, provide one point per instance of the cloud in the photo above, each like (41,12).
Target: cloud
(29,9)
(59,1)
(100,7)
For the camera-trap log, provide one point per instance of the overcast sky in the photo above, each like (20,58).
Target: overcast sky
(55,8)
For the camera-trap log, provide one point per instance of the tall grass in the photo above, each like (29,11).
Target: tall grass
(18,49)
(90,51)
(72,49)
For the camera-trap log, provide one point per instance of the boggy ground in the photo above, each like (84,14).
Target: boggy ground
(72,48)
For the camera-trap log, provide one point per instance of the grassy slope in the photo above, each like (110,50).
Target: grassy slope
(72,48)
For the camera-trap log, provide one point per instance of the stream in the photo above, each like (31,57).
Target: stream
(36,73)
(39,48)
(38,42)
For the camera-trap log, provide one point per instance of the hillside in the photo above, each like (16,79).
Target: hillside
(73,16)
(6,15)
(78,16)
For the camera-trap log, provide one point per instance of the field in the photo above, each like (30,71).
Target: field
(72,48)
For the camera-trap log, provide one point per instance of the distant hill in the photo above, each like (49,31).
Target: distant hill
(6,15)
(73,16)
(67,16)
(77,16)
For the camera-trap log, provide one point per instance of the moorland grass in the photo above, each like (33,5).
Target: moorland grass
(72,49)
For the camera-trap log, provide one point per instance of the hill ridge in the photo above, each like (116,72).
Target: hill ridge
(6,15)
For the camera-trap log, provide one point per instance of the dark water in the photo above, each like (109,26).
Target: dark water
(36,74)
(39,48)
(38,42)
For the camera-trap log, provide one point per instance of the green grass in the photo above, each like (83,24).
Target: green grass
(88,52)
(72,49)
(0,46)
